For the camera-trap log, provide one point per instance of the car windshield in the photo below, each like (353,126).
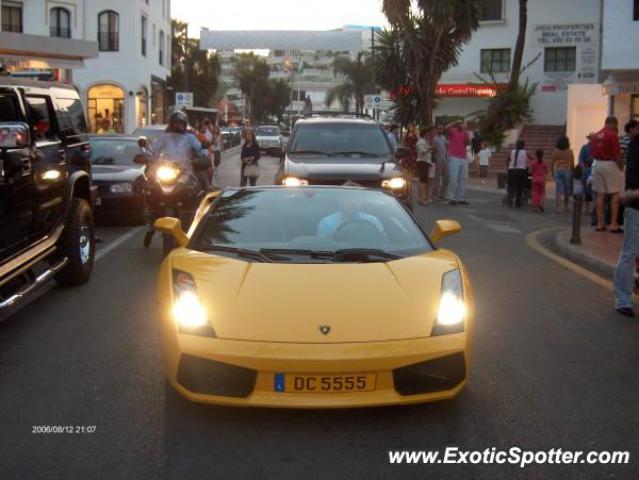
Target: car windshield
(113,151)
(348,140)
(267,132)
(308,225)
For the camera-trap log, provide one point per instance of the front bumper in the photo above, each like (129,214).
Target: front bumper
(407,371)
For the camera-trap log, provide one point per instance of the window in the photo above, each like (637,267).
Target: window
(40,113)
(496,60)
(9,110)
(636,10)
(144,34)
(109,31)
(60,22)
(161,42)
(491,10)
(560,59)
(11,17)
(71,116)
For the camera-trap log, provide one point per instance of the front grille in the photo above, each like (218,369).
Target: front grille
(435,375)
(209,377)
(363,183)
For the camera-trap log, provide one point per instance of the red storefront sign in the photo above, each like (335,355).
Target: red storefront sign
(467,90)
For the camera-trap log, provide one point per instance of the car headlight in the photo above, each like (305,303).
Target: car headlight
(452,308)
(121,188)
(167,174)
(294,182)
(188,311)
(396,183)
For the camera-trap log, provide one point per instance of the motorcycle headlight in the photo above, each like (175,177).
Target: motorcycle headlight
(189,313)
(167,174)
(294,182)
(452,308)
(396,183)
(121,188)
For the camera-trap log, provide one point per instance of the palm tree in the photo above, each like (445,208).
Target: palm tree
(519,46)
(252,76)
(433,33)
(358,81)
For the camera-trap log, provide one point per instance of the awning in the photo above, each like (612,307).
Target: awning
(24,51)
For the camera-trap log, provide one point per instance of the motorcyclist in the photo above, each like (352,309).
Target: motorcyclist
(184,148)
(181,147)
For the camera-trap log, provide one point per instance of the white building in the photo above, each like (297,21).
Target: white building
(618,95)
(564,38)
(124,80)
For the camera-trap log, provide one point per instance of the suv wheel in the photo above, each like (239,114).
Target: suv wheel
(78,245)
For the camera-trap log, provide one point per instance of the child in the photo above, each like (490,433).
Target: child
(484,159)
(539,171)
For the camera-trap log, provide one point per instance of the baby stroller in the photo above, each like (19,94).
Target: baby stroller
(526,191)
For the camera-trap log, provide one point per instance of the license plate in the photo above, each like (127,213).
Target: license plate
(98,202)
(324,383)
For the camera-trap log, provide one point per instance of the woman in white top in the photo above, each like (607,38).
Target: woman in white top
(517,174)
(425,166)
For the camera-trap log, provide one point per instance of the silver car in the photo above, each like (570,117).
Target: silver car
(269,139)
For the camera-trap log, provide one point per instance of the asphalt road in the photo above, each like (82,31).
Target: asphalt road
(554,366)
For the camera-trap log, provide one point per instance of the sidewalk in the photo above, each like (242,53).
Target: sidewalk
(489,185)
(598,251)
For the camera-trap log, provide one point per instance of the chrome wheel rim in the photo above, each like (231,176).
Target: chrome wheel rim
(85,244)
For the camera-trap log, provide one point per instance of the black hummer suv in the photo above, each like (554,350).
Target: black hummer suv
(46,220)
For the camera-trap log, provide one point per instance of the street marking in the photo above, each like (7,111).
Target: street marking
(117,242)
(533,242)
(503,228)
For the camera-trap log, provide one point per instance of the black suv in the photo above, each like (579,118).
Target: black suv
(343,149)
(46,219)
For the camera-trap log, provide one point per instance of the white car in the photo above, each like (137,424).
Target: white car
(269,138)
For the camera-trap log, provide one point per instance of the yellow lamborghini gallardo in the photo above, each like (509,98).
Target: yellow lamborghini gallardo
(312,297)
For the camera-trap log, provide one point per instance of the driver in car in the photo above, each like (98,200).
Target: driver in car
(349,211)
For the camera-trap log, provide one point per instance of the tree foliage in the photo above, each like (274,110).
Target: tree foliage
(264,96)
(429,36)
(192,69)
(358,80)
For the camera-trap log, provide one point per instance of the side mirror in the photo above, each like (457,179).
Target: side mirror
(14,135)
(443,228)
(172,226)
(401,153)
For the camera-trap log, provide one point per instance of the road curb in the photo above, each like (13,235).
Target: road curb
(575,253)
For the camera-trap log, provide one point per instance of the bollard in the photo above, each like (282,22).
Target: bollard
(576,219)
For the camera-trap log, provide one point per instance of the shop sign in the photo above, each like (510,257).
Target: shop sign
(467,90)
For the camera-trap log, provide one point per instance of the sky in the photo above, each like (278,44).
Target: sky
(276,14)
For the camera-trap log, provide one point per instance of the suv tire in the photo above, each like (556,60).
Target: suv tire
(77,244)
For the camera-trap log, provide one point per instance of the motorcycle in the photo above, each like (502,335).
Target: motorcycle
(173,192)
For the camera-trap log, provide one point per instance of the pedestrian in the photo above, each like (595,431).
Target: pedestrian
(539,171)
(440,181)
(204,138)
(607,173)
(585,160)
(425,166)
(561,164)
(484,155)
(392,137)
(410,142)
(476,145)
(250,156)
(216,145)
(457,164)
(517,173)
(105,127)
(624,273)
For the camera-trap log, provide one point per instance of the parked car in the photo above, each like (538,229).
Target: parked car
(232,136)
(269,139)
(344,149)
(46,218)
(312,297)
(122,184)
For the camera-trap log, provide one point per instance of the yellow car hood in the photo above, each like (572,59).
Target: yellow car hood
(280,302)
